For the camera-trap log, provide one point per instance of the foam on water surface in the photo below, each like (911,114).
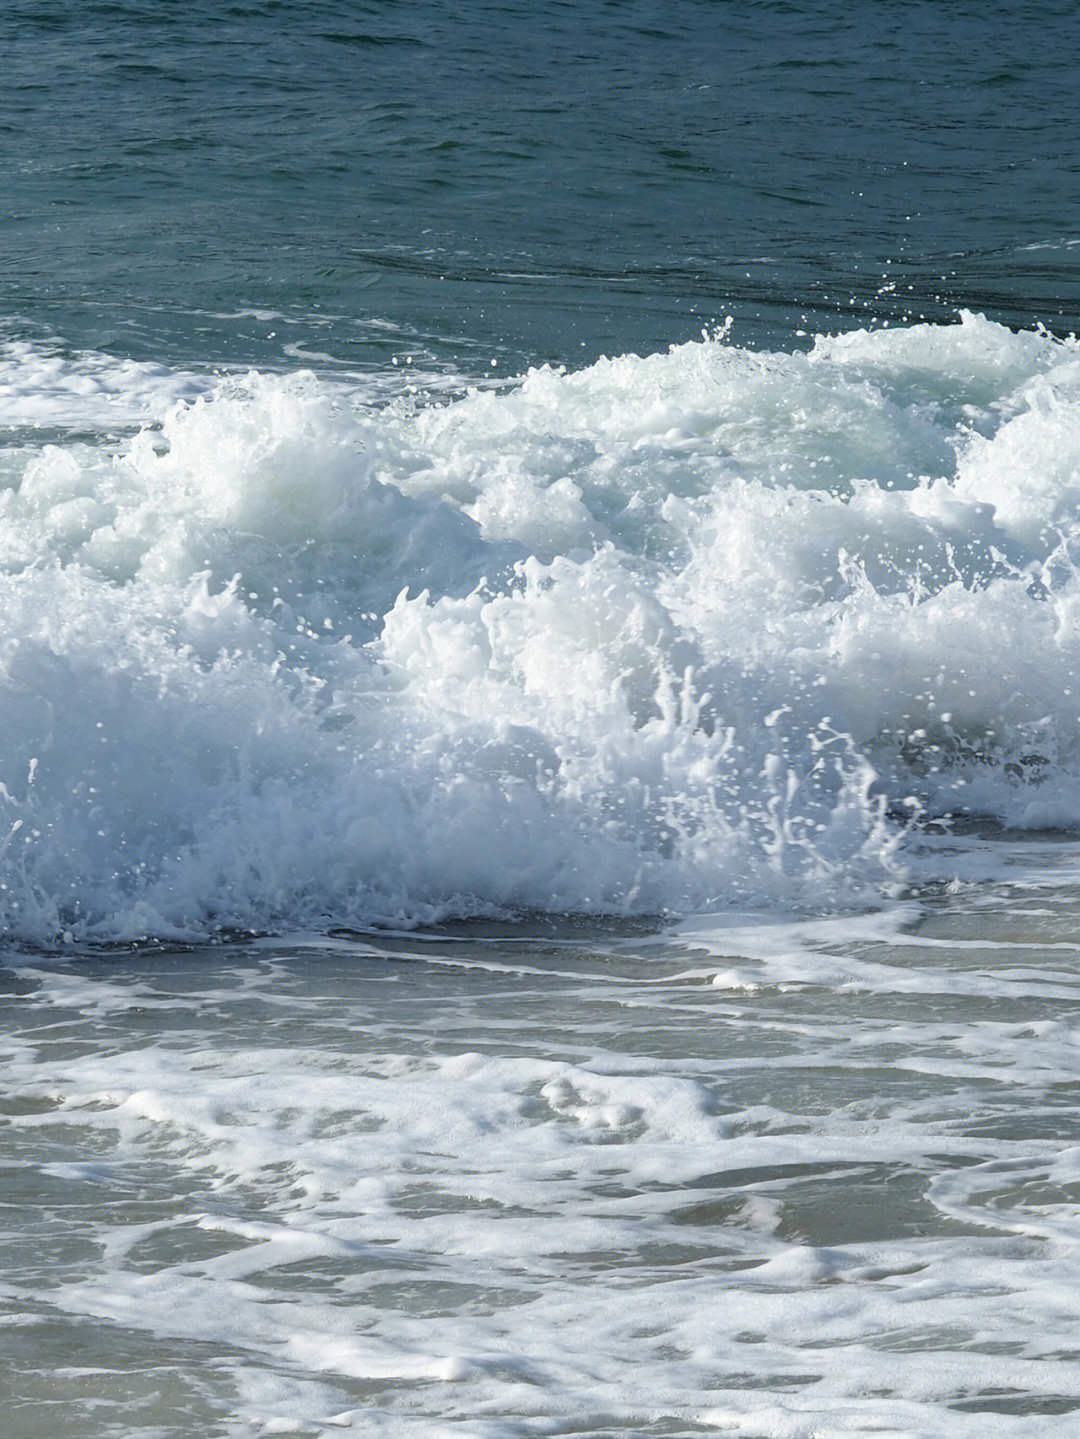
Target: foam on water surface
(640,796)
(711,663)
(554,1185)
(659,636)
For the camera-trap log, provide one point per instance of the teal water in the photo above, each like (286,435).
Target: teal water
(522,183)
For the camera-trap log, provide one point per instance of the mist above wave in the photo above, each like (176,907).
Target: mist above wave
(654,636)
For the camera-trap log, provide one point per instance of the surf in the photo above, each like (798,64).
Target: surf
(657,636)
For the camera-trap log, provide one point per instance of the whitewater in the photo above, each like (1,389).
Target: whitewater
(655,637)
(539,720)
(542,905)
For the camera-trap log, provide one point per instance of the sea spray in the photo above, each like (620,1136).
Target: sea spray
(659,635)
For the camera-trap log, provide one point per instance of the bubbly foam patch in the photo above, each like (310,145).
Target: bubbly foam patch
(660,635)
(568,1184)
(44,387)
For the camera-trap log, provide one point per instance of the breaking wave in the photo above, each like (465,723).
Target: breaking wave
(661,635)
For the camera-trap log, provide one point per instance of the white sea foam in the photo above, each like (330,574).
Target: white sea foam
(658,636)
(419,1185)
(42,387)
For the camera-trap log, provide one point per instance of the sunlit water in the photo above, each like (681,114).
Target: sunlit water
(539,720)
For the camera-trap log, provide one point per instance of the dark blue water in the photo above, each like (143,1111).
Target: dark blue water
(516,182)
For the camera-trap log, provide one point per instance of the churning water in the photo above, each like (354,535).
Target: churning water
(539,720)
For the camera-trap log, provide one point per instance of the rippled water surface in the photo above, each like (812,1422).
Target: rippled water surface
(529,182)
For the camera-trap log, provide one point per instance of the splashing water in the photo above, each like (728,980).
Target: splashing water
(651,637)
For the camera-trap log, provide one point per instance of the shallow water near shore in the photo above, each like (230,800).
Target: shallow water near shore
(746,1176)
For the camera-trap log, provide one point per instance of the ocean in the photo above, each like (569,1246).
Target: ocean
(539,719)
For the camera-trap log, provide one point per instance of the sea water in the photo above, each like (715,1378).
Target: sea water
(539,720)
